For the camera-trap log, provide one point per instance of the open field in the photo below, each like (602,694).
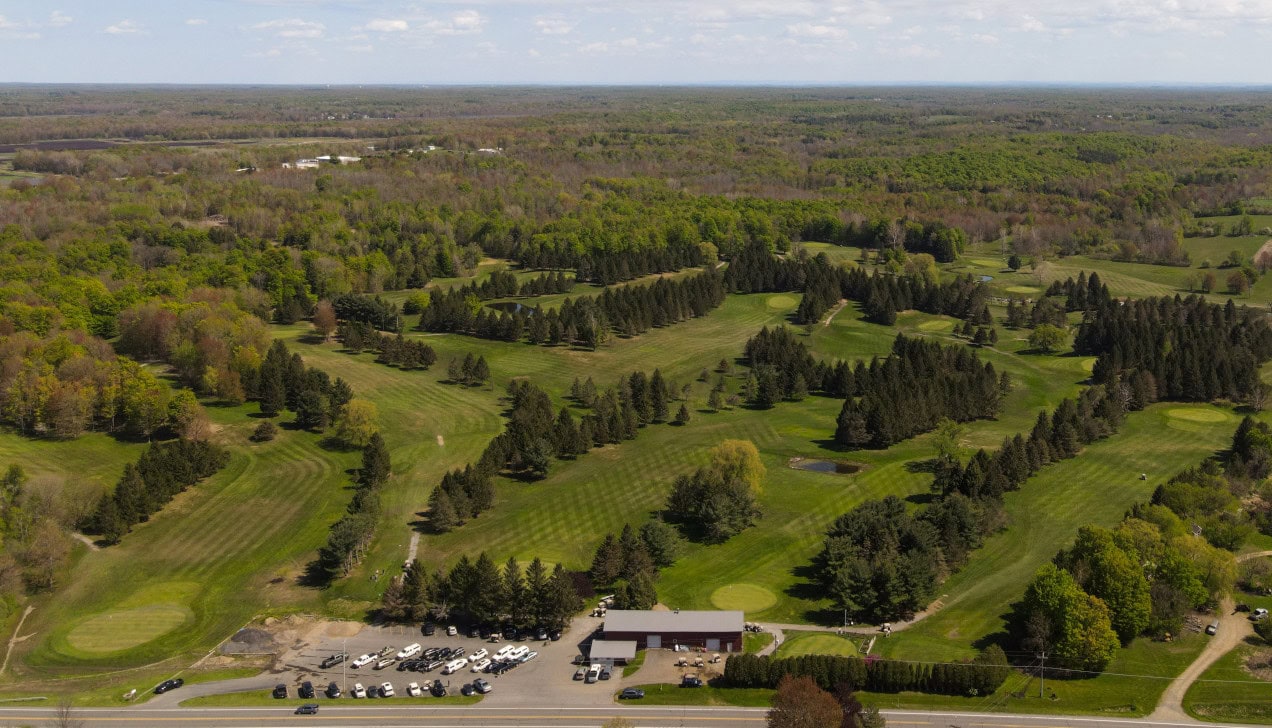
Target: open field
(1229,692)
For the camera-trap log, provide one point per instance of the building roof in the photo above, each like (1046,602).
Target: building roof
(612,650)
(632,620)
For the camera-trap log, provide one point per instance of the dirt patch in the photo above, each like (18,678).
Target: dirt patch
(1259,664)
(1263,258)
(250,641)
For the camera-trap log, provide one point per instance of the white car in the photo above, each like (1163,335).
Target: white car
(502,654)
(530,656)
(451,631)
(517,653)
(410,651)
(386,690)
(414,690)
(359,691)
(363,661)
(454,666)
(480,665)
(479,655)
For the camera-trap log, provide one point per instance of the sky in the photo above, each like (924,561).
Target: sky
(431,42)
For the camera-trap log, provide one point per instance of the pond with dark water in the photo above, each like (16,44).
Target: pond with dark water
(836,467)
(511,307)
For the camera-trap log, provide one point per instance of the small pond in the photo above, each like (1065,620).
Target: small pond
(825,466)
(511,307)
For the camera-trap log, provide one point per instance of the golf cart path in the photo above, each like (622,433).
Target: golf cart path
(1234,627)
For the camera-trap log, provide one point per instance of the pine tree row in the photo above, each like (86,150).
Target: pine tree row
(585,321)
(163,470)
(980,676)
(286,383)
(395,350)
(480,593)
(350,536)
(372,310)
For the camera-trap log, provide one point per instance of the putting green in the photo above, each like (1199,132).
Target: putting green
(123,629)
(817,644)
(937,325)
(781,302)
(746,597)
(1023,289)
(1197,415)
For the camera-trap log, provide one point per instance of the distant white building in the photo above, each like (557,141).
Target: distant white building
(308,164)
(339,159)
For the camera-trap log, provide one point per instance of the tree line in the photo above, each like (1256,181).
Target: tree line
(480,593)
(982,675)
(373,310)
(585,321)
(628,564)
(393,350)
(1195,351)
(351,535)
(163,470)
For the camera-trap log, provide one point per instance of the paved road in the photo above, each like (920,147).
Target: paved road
(425,717)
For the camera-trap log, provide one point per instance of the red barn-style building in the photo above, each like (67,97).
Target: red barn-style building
(714,631)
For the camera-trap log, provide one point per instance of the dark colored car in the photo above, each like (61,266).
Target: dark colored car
(631,694)
(556,635)
(333,690)
(605,673)
(406,665)
(474,632)
(167,685)
(509,633)
(541,634)
(307,709)
(467,690)
(334,660)
(691,682)
(438,690)
(433,665)
(306,690)
(429,628)
(280,691)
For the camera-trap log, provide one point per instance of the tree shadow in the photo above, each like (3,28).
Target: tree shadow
(922,466)
(315,576)
(311,337)
(921,499)
(833,446)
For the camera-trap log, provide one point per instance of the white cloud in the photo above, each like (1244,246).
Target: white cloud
(124,27)
(553,26)
(465,22)
(366,48)
(985,38)
(292,28)
(196,21)
(57,19)
(819,31)
(381,25)
(533,53)
(6,24)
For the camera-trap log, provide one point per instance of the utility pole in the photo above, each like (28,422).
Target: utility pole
(1042,685)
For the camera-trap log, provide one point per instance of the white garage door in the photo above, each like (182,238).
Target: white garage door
(653,641)
(713,645)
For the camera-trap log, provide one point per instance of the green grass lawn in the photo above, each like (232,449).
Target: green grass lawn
(663,694)
(795,644)
(1228,692)
(753,642)
(631,667)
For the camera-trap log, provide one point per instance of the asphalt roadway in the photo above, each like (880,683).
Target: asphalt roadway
(477,716)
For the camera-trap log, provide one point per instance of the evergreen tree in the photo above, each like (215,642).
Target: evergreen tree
(682,415)
(376,465)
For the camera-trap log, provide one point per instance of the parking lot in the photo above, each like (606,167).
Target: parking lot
(546,680)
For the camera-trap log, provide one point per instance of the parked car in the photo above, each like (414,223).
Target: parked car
(385,651)
(529,656)
(454,666)
(580,673)
(481,654)
(307,709)
(482,686)
(306,690)
(363,661)
(433,665)
(413,690)
(593,674)
(384,663)
(605,673)
(359,691)
(541,634)
(556,635)
(467,690)
(480,665)
(167,685)
(691,681)
(1212,628)
(333,660)
(409,651)
(438,690)
(280,691)
(509,633)
(428,629)
(451,631)
(1260,613)
(386,690)
(631,694)
(332,691)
